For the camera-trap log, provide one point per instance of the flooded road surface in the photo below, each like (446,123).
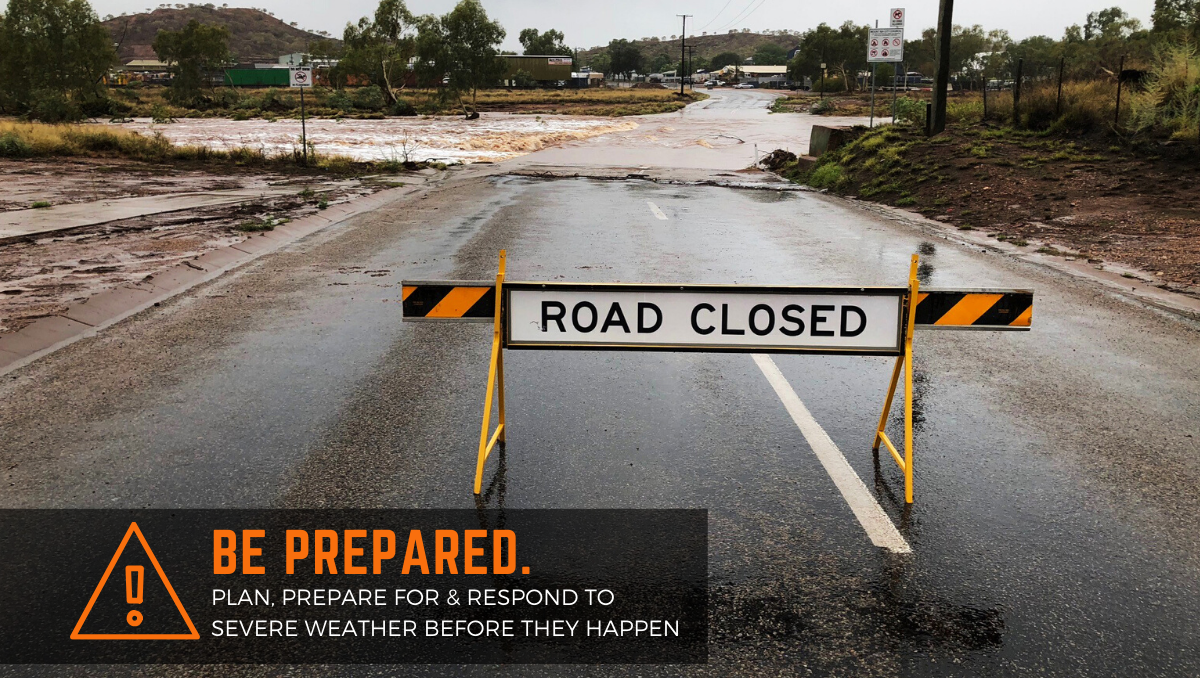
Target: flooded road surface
(494,136)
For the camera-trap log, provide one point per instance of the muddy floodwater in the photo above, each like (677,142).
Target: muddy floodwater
(494,136)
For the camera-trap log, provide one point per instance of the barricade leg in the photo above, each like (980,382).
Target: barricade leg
(904,362)
(495,382)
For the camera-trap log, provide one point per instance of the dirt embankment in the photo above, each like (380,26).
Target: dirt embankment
(1090,197)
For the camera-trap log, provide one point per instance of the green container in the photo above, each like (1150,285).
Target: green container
(257,77)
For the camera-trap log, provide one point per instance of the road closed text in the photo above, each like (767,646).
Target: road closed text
(680,318)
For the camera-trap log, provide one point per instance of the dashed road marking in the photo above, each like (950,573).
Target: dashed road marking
(879,527)
(657,212)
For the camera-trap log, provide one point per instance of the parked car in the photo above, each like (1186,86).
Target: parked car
(744,85)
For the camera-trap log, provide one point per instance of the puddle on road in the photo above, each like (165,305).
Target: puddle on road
(495,136)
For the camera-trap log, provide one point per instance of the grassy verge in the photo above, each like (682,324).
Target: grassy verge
(38,140)
(369,102)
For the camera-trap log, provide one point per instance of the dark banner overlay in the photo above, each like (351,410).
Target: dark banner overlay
(298,587)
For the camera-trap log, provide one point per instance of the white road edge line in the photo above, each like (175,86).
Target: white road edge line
(657,212)
(879,527)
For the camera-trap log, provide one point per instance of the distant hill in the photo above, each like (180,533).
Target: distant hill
(254,35)
(706,46)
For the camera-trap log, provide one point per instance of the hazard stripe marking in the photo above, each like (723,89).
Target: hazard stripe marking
(967,311)
(465,301)
(1025,319)
(977,309)
(457,302)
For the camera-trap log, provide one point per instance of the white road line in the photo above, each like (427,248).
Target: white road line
(657,212)
(879,527)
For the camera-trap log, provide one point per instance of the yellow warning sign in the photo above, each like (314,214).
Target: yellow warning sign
(135,593)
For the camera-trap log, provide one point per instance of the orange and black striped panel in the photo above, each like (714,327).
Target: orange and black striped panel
(974,309)
(462,300)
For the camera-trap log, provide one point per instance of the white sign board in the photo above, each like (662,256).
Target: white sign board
(897,17)
(301,77)
(885,45)
(559,61)
(704,318)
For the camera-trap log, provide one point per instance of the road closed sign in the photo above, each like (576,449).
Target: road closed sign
(859,320)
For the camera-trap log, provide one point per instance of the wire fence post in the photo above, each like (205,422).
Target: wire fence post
(984,97)
(1117,113)
(1017,94)
(1062,62)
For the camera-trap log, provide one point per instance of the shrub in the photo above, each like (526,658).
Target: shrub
(339,100)
(369,98)
(822,107)
(13,146)
(403,107)
(911,110)
(1171,98)
(827,175)
(51,106)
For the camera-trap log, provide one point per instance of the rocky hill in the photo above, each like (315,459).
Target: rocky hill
(254,35)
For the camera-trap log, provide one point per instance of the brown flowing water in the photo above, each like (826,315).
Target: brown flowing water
(450,139)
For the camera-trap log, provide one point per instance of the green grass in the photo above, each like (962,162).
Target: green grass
(255,226)
(828,175)
(40,204)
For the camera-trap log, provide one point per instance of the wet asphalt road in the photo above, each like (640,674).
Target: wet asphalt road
(1057,509)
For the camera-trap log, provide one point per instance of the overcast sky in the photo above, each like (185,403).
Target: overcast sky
(587,24)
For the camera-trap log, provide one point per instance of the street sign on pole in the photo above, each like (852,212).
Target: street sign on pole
(897,16)
(300,77)
(885,45)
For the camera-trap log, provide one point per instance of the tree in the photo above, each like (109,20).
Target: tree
(659,62)
(194,55)
(460,48)
(53,57)
(625,58)
(843,50)
(600,63)
(549,43)
(1176,16)
(379,49)
(770,54)
(473,40)
(1110,23)
(724,59)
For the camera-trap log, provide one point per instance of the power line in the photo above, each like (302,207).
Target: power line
(716,15)
(735,18)
(744,14)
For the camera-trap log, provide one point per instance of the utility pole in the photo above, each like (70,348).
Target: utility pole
(682,49)
(941,80)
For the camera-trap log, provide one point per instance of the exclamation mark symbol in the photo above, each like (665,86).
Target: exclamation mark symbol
(133,592)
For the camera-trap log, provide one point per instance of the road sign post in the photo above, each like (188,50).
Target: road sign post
(868,321)
(302,78)
(885,45)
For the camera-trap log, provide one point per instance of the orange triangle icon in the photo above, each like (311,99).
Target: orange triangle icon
(134,618)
